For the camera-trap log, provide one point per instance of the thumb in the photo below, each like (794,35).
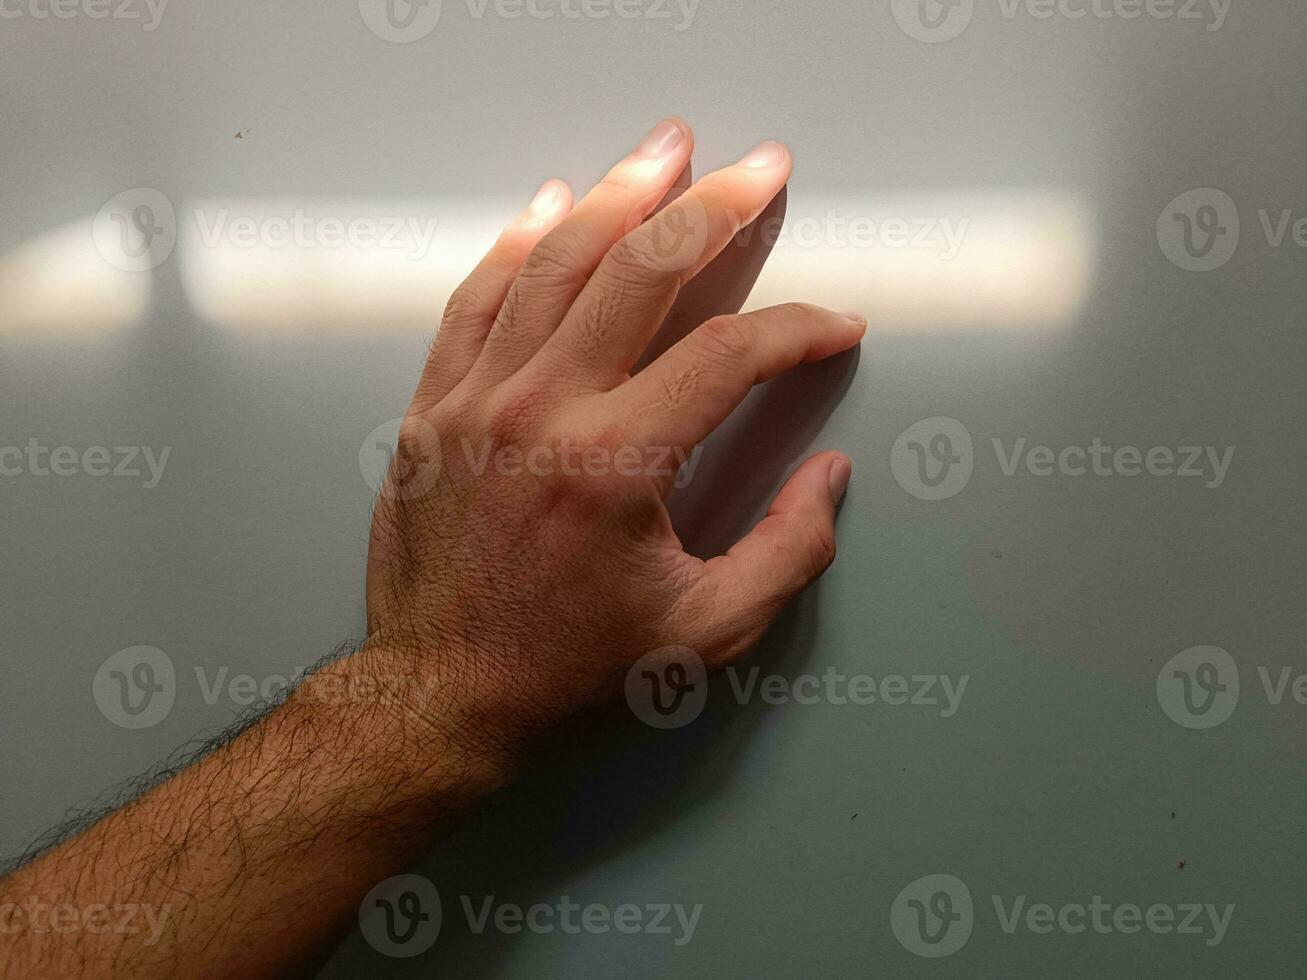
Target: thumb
(746,588)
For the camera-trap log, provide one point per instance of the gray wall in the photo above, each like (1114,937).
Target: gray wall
(1071,310)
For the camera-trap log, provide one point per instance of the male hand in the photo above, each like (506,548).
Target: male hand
(521,562)
(521,550)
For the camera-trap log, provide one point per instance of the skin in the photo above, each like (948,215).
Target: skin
(521,561)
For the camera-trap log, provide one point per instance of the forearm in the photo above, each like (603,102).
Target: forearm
(512,597)
(290,823)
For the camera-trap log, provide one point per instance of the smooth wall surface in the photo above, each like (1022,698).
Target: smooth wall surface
(1045,715)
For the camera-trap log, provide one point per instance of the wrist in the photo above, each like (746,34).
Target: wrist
(417,717)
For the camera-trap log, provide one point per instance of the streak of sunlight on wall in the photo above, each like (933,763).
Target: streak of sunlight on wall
(996,261)
(943,261)
(59,284)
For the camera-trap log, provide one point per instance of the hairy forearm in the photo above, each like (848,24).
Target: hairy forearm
(504,599)
(290,823)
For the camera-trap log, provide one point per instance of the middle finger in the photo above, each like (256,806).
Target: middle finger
(621,307)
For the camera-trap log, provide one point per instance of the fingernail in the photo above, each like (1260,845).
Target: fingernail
(855,316)
(768,154)
(840,472)
(547,198)
(662,139)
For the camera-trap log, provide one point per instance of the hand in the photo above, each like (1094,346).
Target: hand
(521,551)
(521,561)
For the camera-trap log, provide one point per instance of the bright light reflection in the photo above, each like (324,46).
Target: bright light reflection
(946,261)
(59,284)
(327,265)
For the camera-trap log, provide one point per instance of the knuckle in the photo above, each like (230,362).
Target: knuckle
(726,337)
(410,445)
(616,182)
(457,413)
(587,500)
(554,261)
(794,311)
(465,304)
(821,549)
(628,262)
(517,309)
(608,435)
(417,450)
(511,415)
